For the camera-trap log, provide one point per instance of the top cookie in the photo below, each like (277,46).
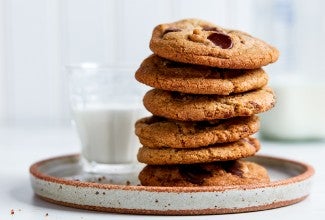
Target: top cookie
(199,42)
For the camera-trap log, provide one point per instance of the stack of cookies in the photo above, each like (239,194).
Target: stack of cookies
(208,88)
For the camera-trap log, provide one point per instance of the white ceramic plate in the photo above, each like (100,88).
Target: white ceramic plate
(60,180)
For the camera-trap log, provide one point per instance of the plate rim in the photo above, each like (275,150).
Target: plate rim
(36,173)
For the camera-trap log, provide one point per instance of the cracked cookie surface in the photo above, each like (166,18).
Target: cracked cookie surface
(238,172)
(158,132)
(218,152)
(197,79)
(200,42)
(191,107)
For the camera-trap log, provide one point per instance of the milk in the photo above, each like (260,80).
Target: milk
(107,134)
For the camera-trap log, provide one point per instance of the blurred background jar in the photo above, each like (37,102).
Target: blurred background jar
(298,80)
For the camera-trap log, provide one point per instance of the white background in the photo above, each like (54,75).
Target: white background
(39,37)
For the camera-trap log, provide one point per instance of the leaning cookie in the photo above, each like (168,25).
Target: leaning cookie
(190,107)
(227,173)
(168,75)
(219,152)
(199,42)
(161,132)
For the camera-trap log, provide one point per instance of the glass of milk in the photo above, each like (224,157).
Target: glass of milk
(105,104)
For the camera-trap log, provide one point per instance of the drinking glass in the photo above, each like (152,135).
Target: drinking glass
(105,103)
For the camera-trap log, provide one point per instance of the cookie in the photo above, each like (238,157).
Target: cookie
(200,42)
(225,173)
(219,152)
(168,75)
(190,107)
(161,132)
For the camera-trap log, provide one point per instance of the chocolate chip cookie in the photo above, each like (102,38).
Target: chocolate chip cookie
(225,173)
(219,152)
(208,86)
(160,132)
(200,42)
(191,107)
(196,79)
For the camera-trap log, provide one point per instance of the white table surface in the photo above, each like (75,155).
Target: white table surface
(20,147)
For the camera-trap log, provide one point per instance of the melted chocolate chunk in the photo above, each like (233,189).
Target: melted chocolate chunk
(233,167)
(194,173)
(207,28)
(221,40)
(171,30)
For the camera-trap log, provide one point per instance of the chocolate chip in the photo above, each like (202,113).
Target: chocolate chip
(207,28)
(233,167)
(194,173)
(171,30)
(221,40)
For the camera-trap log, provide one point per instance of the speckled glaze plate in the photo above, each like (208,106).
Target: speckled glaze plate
(61,180)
